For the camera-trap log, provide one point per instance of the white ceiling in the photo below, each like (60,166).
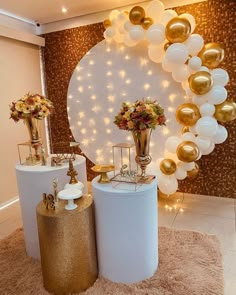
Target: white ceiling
(47,11)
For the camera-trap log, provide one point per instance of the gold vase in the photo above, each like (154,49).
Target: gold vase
(33,126)
(142,142)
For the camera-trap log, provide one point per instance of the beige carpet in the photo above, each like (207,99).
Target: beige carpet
(189,263)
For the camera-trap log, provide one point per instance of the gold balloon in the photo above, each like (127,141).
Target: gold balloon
(194,172)
(187,151)
(136,15)
(188,114)
(225,112)
(178,30)
(200,82)
(212,55)
(168,166)
(147,22)
(185,129)
(106,23)
(167,45)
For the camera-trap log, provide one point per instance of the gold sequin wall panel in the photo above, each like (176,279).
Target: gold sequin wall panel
(216,23)
(63,51)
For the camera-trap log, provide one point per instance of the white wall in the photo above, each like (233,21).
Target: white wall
(19,74)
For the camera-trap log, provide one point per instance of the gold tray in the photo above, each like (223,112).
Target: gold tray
(103,169)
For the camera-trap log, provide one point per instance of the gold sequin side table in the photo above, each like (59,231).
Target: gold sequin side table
(67,246)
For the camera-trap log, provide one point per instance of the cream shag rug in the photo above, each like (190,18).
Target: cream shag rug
(190,263)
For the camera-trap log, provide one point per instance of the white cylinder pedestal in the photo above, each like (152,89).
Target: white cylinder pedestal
(126,230)
(32,182)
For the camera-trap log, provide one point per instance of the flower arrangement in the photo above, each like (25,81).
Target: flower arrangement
(30,105)
(140,115)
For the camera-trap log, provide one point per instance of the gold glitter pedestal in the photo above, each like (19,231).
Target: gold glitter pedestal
(67,247)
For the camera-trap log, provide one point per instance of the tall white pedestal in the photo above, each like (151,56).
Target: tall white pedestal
(32,181)
(126,230)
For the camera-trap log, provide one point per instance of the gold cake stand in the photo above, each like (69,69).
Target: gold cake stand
(102,170)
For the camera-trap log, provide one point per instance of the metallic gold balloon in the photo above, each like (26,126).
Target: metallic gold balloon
(167,45)
(106,23)
(147,22)
(194,172)
(188,114)
(185,129)
(136,15)
(178,30)
(212,55)
(187,151)
(168,166)
(225,112)
(200,82)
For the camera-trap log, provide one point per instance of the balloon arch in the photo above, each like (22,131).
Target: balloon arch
(172,42)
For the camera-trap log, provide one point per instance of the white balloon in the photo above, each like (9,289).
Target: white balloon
(209,150)
(195,63)
(171,143)
(109,33)
(191,19)
(128,41)
(128,25)
(180,173)
(167,16)
(116,23)
(207,109)
(193,129)
(200,99)
(180,73)
(167,66)
(156,53)
(136,33)
(220,77)
(156,34)
(187,166)
(177,53)
(155,10)
(221,135)
(217,95)
(194,44)
(118,38)
(122,17)
(113,14)
(121,30)
(203,68)
(171,156)
(202,143)
(206,126)
(188,136)
(168,184)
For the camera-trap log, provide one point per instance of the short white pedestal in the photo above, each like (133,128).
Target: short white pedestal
(32,181)
(126,230)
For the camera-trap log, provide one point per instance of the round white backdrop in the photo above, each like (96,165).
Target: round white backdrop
(106,76)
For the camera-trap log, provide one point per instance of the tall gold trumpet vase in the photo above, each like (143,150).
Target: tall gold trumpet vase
(142,142)
(33,126)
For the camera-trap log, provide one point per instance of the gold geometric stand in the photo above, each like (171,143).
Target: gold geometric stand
(67,246)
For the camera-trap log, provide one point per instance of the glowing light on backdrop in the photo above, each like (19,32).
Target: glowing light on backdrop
(158,41)
(92,112)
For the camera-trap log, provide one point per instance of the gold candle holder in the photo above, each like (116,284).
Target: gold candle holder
(102,170)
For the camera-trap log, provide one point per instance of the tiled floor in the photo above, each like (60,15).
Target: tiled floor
(192,212)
